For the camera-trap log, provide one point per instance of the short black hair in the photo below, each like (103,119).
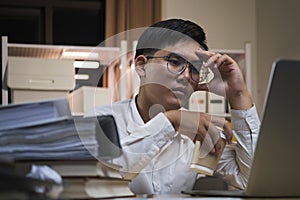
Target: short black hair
(168,33)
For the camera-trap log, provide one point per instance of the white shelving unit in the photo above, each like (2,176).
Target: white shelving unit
(200,101)
(106,56)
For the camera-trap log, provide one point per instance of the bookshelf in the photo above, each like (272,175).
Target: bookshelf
(107,57)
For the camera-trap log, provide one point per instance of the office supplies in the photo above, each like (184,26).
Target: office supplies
(46,130)
(275,169)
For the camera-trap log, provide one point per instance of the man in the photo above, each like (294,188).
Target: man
(157,136)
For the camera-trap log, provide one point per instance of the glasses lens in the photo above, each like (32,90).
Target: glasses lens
(176,64)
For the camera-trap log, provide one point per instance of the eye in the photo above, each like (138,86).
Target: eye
(174,62)
(177,61)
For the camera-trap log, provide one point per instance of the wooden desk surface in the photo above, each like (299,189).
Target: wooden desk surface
(188,197)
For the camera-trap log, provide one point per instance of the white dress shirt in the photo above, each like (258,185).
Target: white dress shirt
(157,158)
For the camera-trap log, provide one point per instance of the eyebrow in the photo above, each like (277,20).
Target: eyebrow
(183,57)
(176,55)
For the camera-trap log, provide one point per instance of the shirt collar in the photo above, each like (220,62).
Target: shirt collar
(135,118)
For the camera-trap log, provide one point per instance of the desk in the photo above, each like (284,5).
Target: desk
(188,197)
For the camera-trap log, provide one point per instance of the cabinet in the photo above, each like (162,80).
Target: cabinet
(205,102)
(94,60)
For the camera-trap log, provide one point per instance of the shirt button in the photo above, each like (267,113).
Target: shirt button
(156,184)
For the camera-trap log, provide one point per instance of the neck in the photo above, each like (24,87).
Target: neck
(146,109)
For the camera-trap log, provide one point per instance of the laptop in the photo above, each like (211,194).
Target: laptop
(275,170)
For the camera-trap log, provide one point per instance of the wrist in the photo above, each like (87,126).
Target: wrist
(241,100)
(172,117)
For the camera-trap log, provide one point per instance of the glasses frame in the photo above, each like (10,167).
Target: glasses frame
(203,73)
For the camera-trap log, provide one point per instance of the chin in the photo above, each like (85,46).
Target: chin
(174,104)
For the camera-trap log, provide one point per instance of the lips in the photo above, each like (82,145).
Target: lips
(179,91)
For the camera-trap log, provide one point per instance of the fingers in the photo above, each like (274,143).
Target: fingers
(219,63)
(213,60)
(202,87)
(207,146)
(214,134)
(208,57)
(204,127)
(209,133)
(204,55)
(211,143)
(223,126)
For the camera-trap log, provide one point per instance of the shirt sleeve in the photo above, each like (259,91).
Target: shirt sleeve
(143,143)
(237,157)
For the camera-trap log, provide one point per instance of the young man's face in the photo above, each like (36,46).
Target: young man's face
(163,86)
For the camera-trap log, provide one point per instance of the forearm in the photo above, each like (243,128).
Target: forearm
(143,144)
(240,99)
(237,159)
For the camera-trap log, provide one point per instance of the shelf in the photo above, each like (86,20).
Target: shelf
(106,55)
(110,57)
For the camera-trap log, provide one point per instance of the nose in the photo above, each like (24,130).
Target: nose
(185,74)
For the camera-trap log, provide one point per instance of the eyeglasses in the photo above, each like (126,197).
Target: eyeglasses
(177,65)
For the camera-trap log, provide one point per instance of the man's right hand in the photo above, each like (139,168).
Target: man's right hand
(201,126)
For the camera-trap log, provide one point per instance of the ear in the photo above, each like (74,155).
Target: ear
(140,62)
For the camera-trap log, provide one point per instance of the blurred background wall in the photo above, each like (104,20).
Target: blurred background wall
(272,27)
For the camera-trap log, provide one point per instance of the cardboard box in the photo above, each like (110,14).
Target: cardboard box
(40,74)
(32,79)
(198,101)
(216,104)
(85,98)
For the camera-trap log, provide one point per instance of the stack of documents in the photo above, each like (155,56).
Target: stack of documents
(29,114)
(88,179)
(15,184)
(47,131)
